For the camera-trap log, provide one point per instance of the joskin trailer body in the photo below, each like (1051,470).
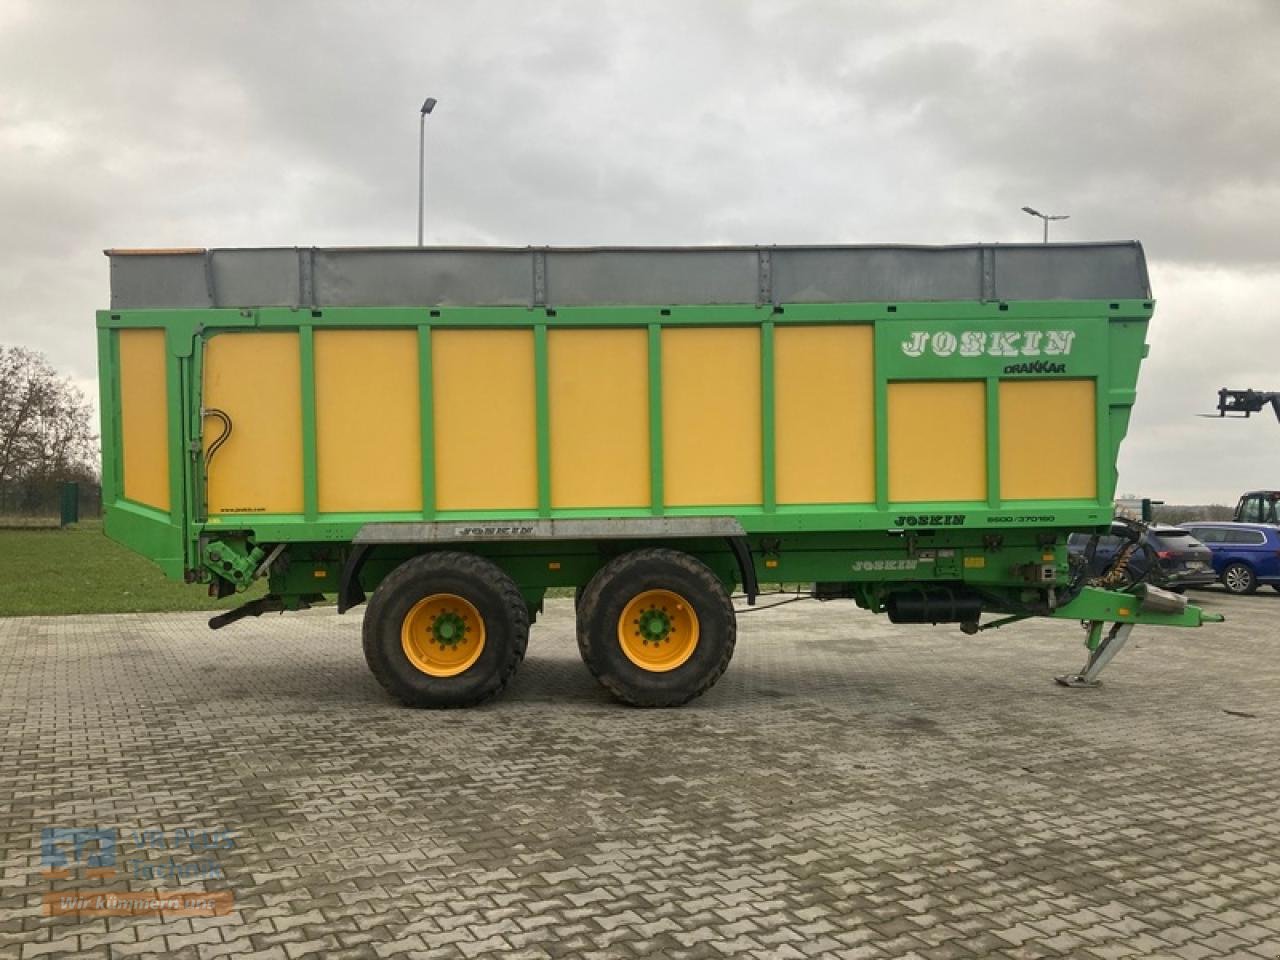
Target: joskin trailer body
(452,432)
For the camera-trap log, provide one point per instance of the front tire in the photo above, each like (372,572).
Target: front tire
(656,628)
(1239,579)
(445,630)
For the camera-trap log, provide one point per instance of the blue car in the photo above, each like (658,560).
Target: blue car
(1245,555)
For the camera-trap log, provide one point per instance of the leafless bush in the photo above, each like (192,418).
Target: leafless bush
(46,429)
(1174,513)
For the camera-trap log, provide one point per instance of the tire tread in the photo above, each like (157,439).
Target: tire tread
(466,564)
(622,566)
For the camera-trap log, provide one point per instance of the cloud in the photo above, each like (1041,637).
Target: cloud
(148,124)
(1207,333)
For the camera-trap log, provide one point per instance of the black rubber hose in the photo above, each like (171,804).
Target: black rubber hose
(222,438)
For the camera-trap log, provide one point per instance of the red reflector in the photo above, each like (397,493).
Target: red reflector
(1164,554)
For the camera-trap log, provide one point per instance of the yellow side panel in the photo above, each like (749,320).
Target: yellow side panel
(1048,440)
(144,417)
(368,421)
(824,410)
(598,393)
(483,393)
(711,416)
(255,378)
(937,441)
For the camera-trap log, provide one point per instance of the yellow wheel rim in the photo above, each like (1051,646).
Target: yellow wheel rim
(658,630)
(442,635)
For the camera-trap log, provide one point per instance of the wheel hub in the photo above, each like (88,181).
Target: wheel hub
(448,629)
(653,625)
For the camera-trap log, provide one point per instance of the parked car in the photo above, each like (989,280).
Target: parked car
(1244,554)
(1181,560)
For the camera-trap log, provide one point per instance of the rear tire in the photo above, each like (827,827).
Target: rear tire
(445,630)
(1239,579)
(656,628)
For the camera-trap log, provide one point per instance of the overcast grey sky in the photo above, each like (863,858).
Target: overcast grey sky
(133,124)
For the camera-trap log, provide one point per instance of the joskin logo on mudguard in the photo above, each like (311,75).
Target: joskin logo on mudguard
(990,343)
(494,531)
(930,520)
(863,566)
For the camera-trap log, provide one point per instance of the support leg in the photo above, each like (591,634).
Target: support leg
(1102,649)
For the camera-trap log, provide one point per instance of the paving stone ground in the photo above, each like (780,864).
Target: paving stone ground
(849,789)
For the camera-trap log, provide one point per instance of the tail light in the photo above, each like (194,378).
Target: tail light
(1165,554)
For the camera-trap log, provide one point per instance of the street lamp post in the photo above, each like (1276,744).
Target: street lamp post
(1046,218)
(428,105)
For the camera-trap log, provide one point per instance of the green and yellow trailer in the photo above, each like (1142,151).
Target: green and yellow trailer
(445,434)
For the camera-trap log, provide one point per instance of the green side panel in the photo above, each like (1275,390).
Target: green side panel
(310,485)
(1125,353)
(914,342)
(147,532)
(542,418)
(768,419)
(427,423)
(656,483)
(109,406)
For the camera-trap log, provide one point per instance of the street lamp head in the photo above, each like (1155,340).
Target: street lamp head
(427,106)
(1033,211)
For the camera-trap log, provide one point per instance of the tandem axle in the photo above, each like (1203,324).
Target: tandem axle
(1014,576)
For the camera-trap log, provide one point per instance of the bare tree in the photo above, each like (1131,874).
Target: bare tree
(1175,513)
(45,423)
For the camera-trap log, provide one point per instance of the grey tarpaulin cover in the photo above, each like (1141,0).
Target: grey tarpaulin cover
(584,276)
